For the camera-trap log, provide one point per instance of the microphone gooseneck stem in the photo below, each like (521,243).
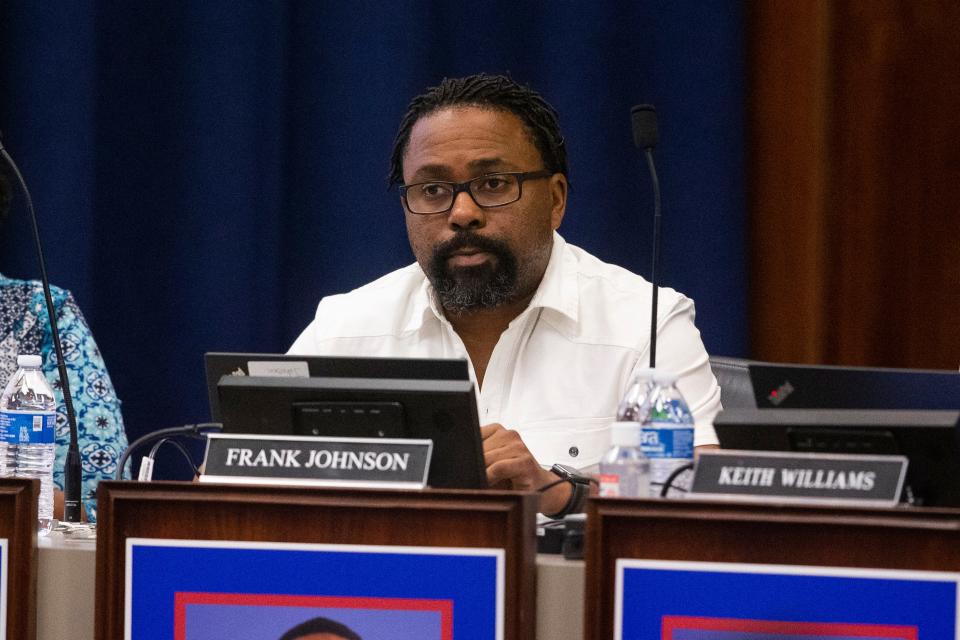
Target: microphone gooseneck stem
(654,280)
(72,480)
(643,121)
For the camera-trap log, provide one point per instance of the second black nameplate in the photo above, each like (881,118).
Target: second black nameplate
(800,477)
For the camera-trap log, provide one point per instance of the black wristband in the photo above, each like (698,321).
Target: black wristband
(574,504)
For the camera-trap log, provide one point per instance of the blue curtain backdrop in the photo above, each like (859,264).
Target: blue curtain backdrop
(206,171)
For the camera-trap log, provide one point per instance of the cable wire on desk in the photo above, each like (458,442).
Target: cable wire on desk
(197,431)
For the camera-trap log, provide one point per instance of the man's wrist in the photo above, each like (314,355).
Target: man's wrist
(574,503)
(555,500)
(576,493)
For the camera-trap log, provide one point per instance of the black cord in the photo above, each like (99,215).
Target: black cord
(579,488)
(551,485)
(673,476)
(188,431)
(178,445)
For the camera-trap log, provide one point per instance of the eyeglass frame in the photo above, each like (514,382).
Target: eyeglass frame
(460,187)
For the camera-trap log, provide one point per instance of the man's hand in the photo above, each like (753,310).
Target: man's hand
(510,464)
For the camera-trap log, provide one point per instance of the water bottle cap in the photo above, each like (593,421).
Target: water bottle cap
(643,373)
(29,361)
(665,378)
(625,434)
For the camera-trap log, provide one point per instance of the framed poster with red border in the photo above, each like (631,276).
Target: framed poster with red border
(724,601)
(251,590)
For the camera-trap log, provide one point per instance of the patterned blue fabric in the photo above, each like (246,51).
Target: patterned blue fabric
(25,329)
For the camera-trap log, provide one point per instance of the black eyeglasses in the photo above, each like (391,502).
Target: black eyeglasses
(490,190)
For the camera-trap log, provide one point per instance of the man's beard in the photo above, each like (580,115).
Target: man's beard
(485,286)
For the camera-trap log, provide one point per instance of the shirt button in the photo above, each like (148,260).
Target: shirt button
(574,452)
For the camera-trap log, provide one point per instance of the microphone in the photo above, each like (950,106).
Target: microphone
(643,118)
(71,471)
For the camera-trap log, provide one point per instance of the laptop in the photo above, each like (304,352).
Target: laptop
(796,386)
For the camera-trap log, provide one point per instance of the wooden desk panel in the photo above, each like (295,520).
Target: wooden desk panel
(448,518)
(690,530)
(18,525)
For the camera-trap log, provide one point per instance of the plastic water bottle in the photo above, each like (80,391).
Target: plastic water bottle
(28,415)
(633,407)
(624,470)
(667,434)
(8,454)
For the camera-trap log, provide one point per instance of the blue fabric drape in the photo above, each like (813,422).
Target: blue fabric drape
(206,171)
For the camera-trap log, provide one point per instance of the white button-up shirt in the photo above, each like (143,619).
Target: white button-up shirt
(559,371)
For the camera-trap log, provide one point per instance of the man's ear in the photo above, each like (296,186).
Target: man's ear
(558,193)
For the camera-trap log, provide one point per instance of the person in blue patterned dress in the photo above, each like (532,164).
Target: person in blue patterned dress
(25,329)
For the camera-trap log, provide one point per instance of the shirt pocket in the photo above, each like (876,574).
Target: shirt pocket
(577,442)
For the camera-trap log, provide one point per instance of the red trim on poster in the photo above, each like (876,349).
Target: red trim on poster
(182,599)
(813,629)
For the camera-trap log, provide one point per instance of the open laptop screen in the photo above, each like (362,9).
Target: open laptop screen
(795,386)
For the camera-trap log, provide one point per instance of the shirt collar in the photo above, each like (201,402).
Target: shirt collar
(422,304)
(557,290)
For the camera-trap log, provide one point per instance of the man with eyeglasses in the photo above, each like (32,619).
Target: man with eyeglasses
(552,334)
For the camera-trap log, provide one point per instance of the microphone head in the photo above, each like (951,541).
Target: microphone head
(643,117)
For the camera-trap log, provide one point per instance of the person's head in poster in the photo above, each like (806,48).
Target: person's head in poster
(320,628)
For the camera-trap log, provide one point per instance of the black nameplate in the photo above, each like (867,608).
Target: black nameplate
(800,477)
(302,460)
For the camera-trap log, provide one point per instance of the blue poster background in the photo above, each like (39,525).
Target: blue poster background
(649,594)
(158,572)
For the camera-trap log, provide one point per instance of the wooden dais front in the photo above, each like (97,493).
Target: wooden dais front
(693,530)
(18,525)
(434,518)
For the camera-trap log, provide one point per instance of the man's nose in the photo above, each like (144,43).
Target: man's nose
(465,213)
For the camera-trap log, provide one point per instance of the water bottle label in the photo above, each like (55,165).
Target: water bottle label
(667,441)
(609,485)
(27,428)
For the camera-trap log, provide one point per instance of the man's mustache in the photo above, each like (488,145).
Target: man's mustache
(463,240)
